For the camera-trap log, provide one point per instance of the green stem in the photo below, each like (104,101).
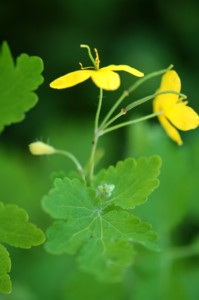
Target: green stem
(102,132)
(139,102)
(183,252)
(74,160)
(95,138)
(114,107)
(121,113)
(98,111)
(147,98)
(130,90)
(147,77)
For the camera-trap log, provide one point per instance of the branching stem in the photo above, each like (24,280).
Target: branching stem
(95,138)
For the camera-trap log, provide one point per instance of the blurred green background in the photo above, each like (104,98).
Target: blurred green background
(148,35)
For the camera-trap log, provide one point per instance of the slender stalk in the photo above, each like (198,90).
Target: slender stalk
(121,113)
(98,111)
(139,102)
(147,77)
(74,160)
(130,90)
(114,107)
(129,107)
(147,98)
(102,132)
(183,252)
(95,138)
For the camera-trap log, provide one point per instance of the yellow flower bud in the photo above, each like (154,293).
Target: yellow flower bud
(40,148)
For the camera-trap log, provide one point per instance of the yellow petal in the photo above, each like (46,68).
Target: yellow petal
(71,79)
(170,81)
(165,101)
(183,117)
(157,104)
(170,130)
(125,68)
(106,80)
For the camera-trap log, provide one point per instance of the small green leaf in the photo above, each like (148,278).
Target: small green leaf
(17,84)
(15,229)
(5,265)
(102,235)
(134,180)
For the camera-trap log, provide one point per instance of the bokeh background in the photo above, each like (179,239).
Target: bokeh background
(148,35)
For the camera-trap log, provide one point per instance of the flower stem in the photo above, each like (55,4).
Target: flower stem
(147,98)
(130,90)
(139,102)
(147,77)
(74,160)
(96,137)
(114,107)
(183,252)
(98,112)
(121,113)
(130,123)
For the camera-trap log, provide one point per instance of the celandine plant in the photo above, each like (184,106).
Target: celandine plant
(93,212)
(18,83)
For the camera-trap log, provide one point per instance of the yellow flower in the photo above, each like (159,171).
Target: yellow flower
(175,112)
(105,78)
(40,148)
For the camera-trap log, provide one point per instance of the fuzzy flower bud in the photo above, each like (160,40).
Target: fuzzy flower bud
(40,148)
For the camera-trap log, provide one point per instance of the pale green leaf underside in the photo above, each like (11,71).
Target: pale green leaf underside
(104,242)
(17,85)
(95,227)
(5,265)
(15,230)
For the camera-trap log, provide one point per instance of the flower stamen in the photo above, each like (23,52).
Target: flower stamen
(97,60)
(85,68)
(105,78)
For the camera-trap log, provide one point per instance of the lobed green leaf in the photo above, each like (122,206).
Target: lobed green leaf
(5,265)
(17,84)
(95,225)
(104,242)
(15,229)
(176,194)
(68,198)
(134,180)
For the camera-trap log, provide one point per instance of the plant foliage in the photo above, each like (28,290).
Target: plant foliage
(17,85)
(15,230)
(97,222)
